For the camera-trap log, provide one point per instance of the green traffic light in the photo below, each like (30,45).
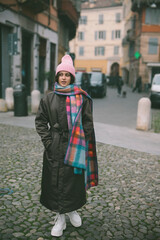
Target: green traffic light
(137,55)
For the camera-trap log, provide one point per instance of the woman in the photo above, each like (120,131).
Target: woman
(65,125)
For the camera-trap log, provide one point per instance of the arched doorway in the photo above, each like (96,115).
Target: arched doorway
(114,71)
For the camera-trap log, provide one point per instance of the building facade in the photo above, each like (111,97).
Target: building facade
(97,45)
(68,16)
(33,37)
(141,43)
(128,73)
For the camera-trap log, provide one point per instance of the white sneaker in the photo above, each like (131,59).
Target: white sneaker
(59,226)
(75,219)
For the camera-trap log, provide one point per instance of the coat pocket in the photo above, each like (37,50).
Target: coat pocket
(53,149)
(50,172)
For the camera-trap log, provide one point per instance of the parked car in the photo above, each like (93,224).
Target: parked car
(155,90)
(83,80)
(98,84)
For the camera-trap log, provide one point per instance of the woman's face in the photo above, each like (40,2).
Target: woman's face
(64,78)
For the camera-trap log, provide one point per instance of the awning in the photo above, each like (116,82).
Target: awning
(153,64)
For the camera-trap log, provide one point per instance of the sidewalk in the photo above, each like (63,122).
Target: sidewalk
(105,133)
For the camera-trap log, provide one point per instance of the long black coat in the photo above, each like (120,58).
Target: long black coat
(61,190)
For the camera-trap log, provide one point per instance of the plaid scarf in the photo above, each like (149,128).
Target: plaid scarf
(80,154)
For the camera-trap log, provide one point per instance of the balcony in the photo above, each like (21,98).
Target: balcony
(35,6)
(130,35)
(68,11)
(125,41)
(69,14)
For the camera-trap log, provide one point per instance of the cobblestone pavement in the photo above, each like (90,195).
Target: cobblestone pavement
(125,205)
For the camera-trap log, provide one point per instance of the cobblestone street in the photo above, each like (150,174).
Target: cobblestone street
(125,205)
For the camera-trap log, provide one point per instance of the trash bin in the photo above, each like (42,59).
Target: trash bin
(20,100)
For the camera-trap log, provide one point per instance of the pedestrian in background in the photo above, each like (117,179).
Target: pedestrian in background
(119,84)
(138,85)
(65,124)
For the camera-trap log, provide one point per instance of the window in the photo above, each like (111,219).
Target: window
(54,3)
(153,46)
(133,22)
(99,51)
(116,50)
(81,51)
(116,34)
(124,11)
(118,17)
(152,16)
(131,49)
(112,34)
(80,35)
(83,20)
(101,19)
(100,35)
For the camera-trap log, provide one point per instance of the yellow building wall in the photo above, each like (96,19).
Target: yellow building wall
(91,65)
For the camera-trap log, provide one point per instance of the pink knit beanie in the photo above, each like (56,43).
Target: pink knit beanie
(66,65)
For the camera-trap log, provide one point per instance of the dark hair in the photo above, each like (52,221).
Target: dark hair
(72,78)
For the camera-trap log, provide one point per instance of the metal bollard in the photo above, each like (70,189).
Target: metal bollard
(20,100)
(9,98)
(35,100)
(144,114)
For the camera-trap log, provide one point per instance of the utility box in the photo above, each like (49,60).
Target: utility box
(20,100)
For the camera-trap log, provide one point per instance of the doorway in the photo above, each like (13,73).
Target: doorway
(42,59)
(26,61)
(5,60)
